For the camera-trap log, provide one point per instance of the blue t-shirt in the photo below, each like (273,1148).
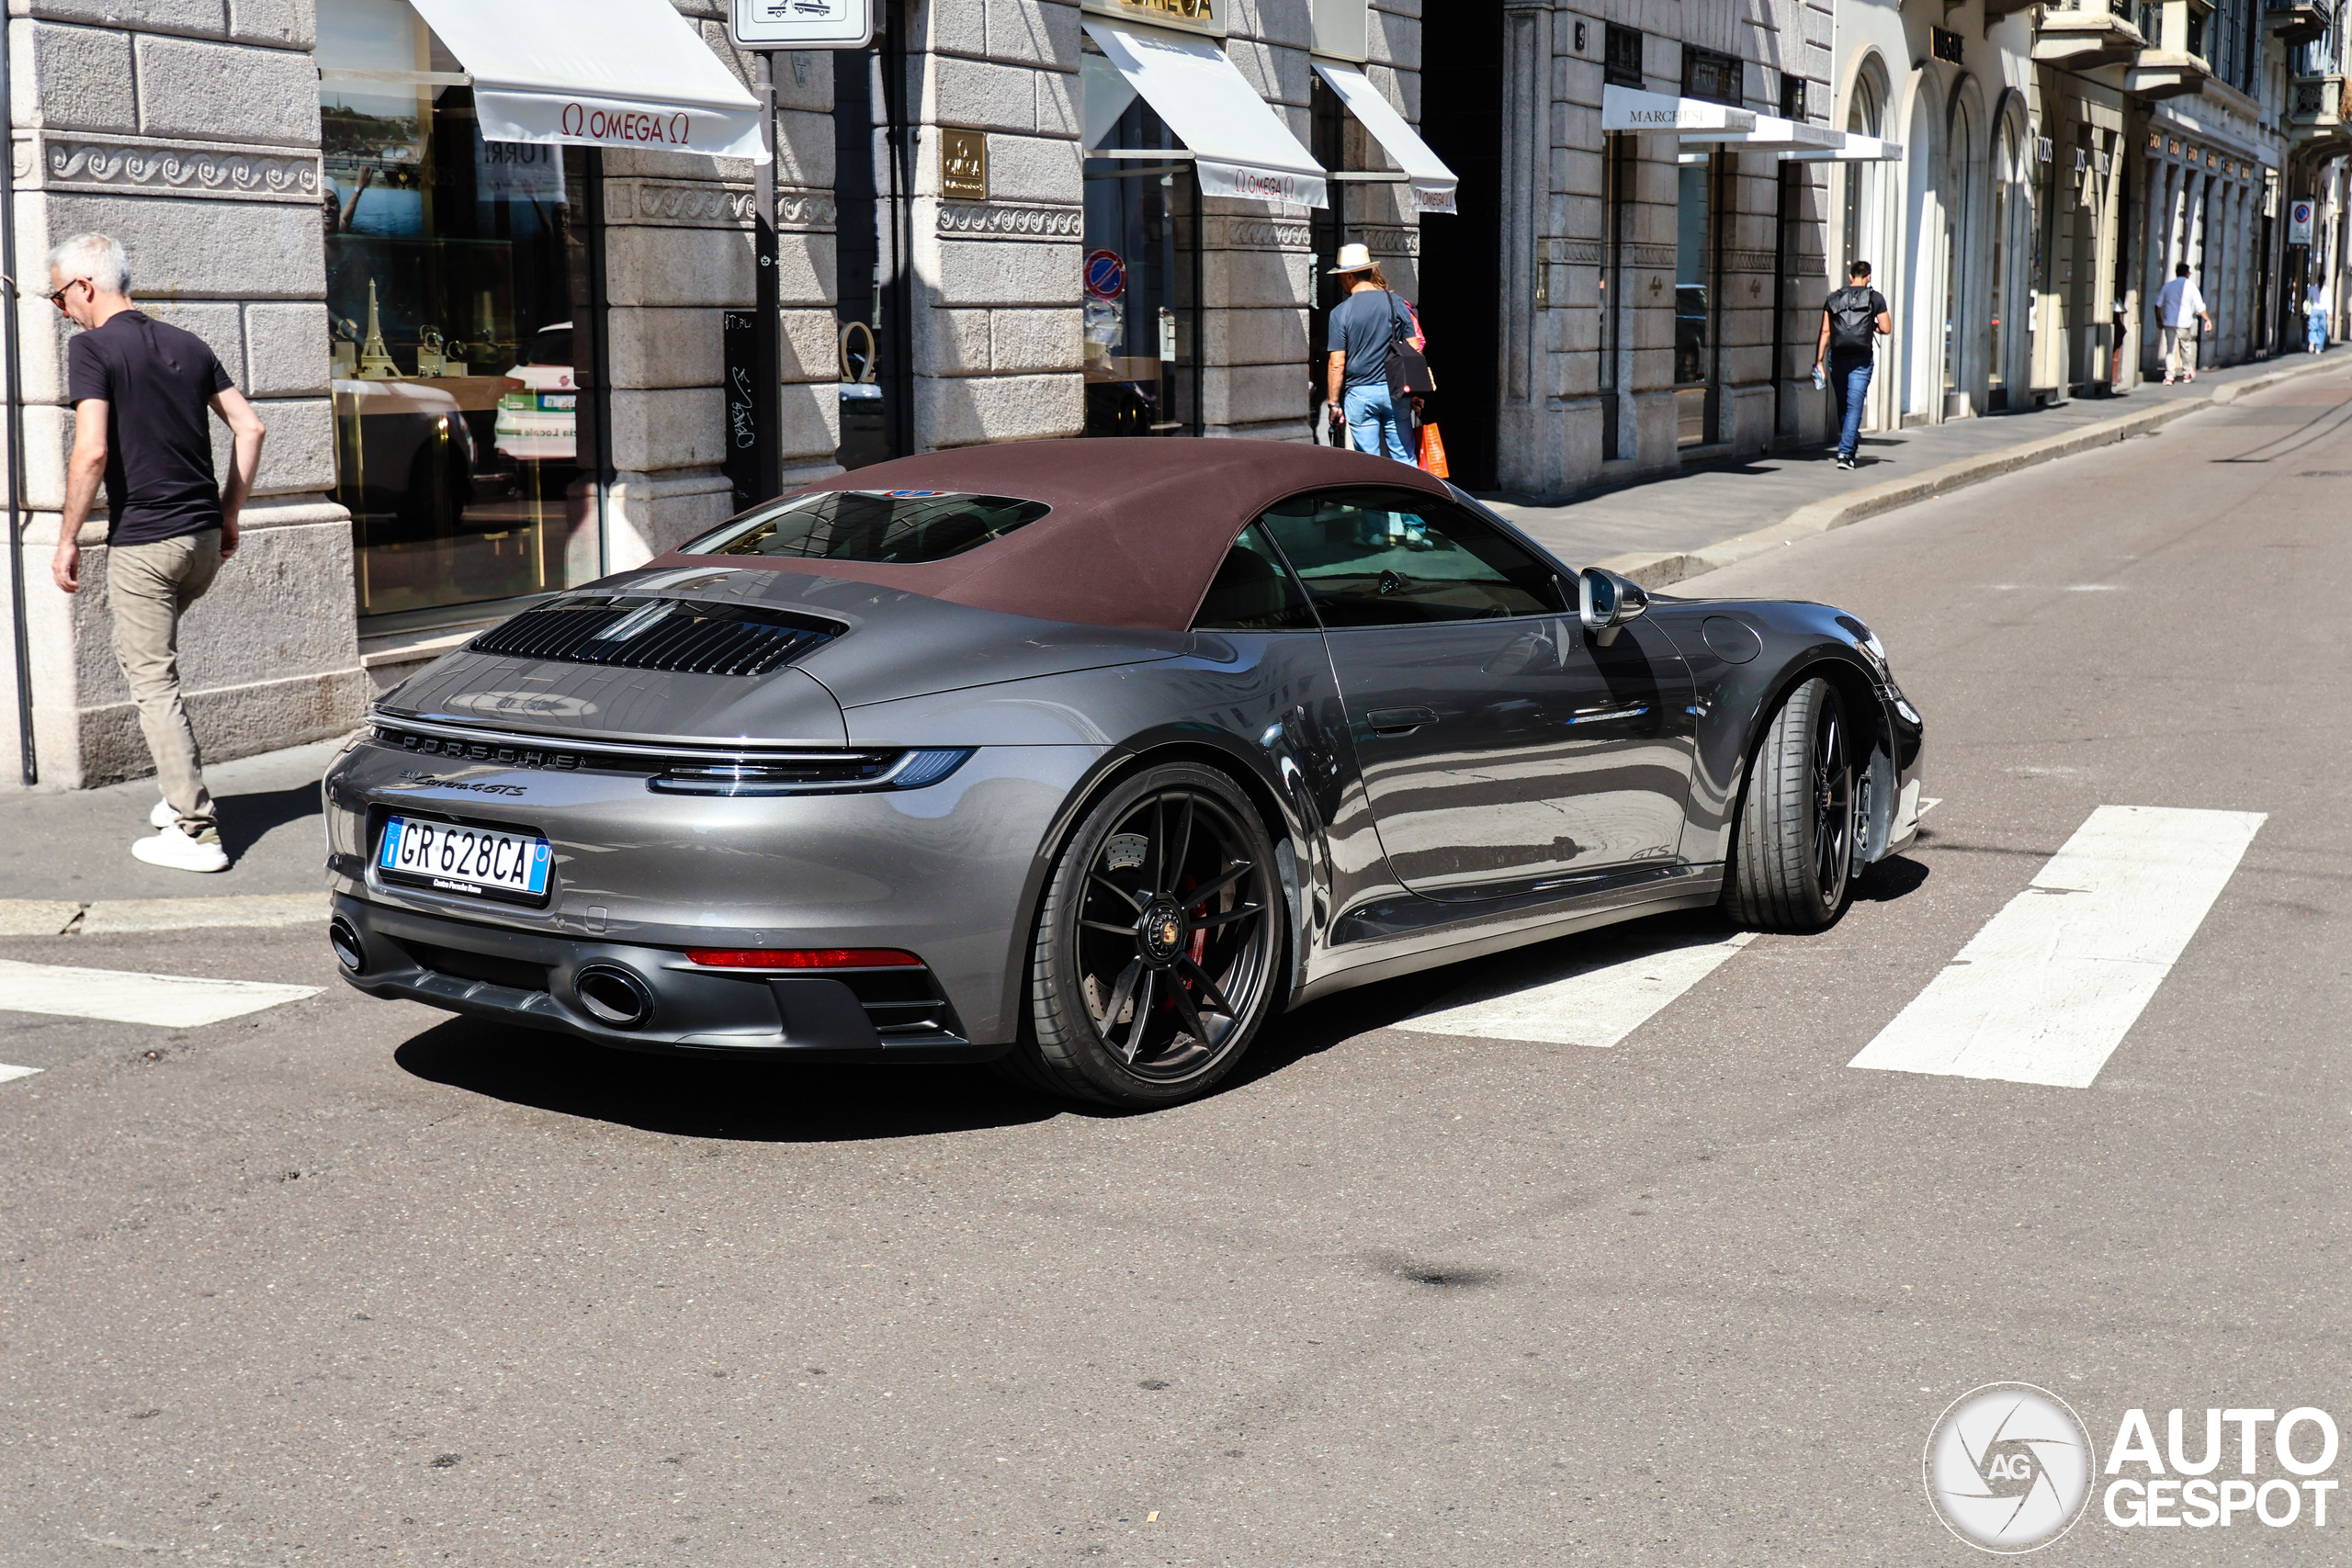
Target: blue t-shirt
(1361,327)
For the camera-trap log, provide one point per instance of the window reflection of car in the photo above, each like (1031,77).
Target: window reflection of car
(539,421)
(1690,332)
(408,451)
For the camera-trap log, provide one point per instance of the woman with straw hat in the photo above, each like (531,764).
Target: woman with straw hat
(1362,326)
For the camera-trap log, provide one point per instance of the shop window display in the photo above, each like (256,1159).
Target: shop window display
(458,294)
(1140,271)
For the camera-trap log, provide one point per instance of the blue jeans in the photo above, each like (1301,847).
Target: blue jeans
(1849,384)
(2317,328)
(1374,423)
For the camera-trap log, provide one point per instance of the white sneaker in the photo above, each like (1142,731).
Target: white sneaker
(160,815)
(175,848)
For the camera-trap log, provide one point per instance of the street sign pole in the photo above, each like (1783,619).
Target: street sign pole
(765,27)
(767,302)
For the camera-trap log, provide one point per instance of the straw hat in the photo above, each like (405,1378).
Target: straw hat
(1354,258)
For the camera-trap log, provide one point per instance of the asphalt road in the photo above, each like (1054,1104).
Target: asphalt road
(341,1282)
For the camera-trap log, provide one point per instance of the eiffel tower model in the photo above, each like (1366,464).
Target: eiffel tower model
(375,359)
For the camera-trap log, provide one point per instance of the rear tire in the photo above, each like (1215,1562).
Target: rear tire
(1158,945)
(1791,866)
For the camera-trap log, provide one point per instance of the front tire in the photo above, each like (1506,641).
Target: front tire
(1792,864)
(1159,943)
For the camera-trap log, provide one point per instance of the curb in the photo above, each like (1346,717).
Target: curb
(1662,569)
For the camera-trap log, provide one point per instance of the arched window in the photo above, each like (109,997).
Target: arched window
(2008,170)
(1862,117)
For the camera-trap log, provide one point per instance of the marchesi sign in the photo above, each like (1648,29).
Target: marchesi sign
(1193,16)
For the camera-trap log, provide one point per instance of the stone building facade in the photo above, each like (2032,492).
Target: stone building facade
(492,370)
(1658,293)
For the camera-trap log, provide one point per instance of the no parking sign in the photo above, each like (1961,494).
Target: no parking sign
(1106,275)
(2299,222)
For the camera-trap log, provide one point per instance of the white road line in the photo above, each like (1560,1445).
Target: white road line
(120,997)
(9,1074)
(2048,988)
(1605,992)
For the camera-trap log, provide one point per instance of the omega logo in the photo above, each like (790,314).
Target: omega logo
(626,125)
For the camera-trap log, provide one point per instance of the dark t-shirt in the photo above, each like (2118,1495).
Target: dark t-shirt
(1841,354)
(158,383)
(1361,327)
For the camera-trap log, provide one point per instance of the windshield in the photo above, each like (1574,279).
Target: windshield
(903,527)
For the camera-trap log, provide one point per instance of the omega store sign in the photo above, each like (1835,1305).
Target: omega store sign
(1193,16)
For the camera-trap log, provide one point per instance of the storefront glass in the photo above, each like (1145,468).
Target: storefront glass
(457,287)
(1140,276)
(1694,298)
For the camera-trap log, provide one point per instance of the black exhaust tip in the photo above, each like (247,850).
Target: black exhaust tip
(613,996)
(349,951)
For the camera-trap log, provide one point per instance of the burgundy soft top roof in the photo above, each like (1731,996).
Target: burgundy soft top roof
(1137,531)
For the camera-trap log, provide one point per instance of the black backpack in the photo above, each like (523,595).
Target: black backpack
(1408,371)
(1852,323)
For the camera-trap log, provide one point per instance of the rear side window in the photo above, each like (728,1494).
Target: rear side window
(897,527)
(1254,591)
(1382,558)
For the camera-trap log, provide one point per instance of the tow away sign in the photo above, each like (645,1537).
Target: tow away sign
(803,24)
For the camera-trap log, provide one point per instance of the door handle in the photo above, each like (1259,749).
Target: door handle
(1399,721)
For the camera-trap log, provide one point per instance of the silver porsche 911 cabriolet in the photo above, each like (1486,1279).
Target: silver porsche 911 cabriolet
(1087,757)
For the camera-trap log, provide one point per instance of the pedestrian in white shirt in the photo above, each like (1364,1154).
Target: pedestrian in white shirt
(2176,308)
(2315,314)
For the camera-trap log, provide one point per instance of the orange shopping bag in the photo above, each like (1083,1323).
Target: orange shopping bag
(1433,451)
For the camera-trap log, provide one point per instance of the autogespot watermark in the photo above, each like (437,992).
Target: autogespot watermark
(2008,1467)
(2171,1488)
(2011,1468)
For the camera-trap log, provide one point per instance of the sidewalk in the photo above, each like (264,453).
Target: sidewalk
(1679,526)
(65,859)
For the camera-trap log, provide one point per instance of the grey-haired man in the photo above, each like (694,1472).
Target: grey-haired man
(139,389)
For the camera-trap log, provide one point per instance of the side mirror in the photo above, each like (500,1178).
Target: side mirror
(1606,601)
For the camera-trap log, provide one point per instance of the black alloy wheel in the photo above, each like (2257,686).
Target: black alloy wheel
(1159,943)
(1792,864)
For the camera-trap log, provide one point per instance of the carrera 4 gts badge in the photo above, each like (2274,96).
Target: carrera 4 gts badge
(412,779)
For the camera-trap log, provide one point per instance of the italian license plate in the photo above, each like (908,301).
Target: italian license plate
(465,860)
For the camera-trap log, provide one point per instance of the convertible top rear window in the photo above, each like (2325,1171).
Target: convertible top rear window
(899,527)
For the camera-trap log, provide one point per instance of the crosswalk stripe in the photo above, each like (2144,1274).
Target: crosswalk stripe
(120,996)
(9,1074)
(1596,999)
(2047,990)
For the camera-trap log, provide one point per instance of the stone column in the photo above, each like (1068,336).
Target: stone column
(996,291)
(1520,443)
(1256,256)
(679,250)
(188,130)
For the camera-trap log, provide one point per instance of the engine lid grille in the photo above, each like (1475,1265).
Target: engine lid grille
(634,632)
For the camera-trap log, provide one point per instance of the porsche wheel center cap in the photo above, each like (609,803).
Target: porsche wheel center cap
(1162,930)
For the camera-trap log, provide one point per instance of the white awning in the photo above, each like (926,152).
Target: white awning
(1692,119)
(1431,181)
(1852,148)
(1773,134)
(597,74)
(1239,147)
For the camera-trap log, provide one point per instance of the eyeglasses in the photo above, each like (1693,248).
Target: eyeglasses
(57,295)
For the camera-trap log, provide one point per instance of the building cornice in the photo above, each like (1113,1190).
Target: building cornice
(131,166)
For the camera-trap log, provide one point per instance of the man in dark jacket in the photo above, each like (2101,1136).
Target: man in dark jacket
(139,389)
(1852,321)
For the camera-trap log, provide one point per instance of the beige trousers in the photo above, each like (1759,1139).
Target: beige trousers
(2180,350)
(149,587)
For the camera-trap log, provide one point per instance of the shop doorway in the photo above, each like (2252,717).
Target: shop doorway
(1141,273)
(1694,300)
(1460,291)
